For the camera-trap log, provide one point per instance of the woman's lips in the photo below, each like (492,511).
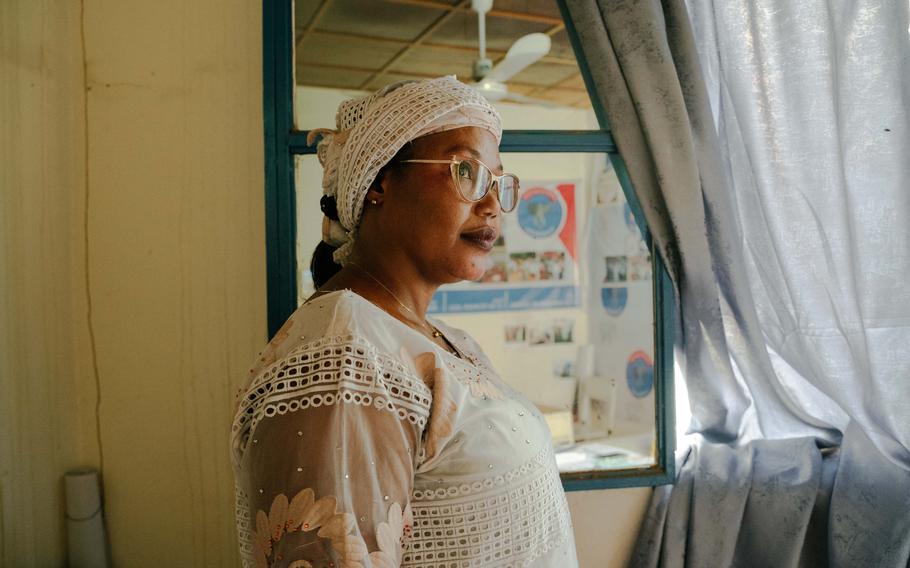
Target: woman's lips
(484,237)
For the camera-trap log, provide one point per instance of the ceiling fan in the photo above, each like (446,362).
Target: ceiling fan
(491,81)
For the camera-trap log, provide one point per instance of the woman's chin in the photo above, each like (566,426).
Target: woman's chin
(471,268)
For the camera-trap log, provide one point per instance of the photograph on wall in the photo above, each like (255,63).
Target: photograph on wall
(534,263)
(616,268)
(639,268)
(540,333)
(563,330)
(497,273)
(515,333)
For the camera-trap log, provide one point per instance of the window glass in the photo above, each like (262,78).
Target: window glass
(566,311)
(359,46)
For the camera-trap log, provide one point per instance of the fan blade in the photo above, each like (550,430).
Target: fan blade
(490,90)
(524,52)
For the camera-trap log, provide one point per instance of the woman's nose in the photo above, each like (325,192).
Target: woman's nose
(489,205)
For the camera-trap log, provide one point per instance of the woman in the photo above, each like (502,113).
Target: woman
(370,435)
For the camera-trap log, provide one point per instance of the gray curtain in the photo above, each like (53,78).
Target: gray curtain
(770,150)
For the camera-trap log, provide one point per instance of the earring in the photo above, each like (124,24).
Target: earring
(374,202)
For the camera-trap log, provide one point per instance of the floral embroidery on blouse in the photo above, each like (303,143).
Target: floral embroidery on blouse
(305,513)
(479,382)
(442,409)
(392,536)
(473,374)
(466,458)
(484,388)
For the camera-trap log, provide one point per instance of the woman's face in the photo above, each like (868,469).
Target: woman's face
(424,220)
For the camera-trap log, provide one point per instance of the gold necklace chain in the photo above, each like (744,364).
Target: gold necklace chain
(432,329)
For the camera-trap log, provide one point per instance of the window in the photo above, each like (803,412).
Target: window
(576,311)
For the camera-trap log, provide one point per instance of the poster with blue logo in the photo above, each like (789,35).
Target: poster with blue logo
(534,263)
(640,374)
(614,300)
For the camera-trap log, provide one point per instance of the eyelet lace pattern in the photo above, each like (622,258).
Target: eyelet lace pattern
(331,370)
(511,513)
(507,520)
(245,531)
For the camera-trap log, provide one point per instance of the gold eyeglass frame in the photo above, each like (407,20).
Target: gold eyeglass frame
(455,161)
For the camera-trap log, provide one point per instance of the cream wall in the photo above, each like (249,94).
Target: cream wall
(176,260)
(148,114)
(46,384)
(132,276)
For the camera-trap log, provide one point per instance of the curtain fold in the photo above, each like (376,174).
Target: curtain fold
(776,489)
(769,146)
(637,82)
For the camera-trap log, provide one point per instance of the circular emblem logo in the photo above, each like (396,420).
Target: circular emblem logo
(614,300)
(541,212)
(640,374)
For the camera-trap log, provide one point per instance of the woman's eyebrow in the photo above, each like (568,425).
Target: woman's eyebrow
(469,150)
(462,148)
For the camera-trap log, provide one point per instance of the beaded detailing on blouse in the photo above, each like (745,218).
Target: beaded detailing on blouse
(477,378)
(331,370)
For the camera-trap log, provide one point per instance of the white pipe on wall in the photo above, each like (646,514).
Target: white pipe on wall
(85,534)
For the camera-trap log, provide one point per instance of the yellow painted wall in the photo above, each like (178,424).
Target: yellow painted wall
(132,276)
(161,139)
(177,263)
(46,383)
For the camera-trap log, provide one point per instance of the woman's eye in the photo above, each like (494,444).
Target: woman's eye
(465,171)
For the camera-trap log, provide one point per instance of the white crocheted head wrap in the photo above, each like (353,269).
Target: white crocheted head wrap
(372,129)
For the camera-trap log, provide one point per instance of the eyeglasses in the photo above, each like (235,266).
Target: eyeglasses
(473,180)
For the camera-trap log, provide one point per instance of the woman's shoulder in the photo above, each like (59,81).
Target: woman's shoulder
(323,316)
(321,356)
(336,318)
(333,334)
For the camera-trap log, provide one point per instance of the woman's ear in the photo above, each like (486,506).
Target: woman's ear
(374,195)
(376,192)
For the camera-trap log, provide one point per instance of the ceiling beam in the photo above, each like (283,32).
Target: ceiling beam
(433,45)
(558,85)
(356,69)
(406,46)
(414,43)
(313,21)
(495,13)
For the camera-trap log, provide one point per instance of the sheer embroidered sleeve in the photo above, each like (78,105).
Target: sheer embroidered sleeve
(329,438)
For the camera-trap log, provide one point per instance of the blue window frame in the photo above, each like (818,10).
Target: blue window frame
(283,143)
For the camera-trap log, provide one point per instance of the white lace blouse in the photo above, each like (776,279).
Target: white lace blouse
(359,442)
